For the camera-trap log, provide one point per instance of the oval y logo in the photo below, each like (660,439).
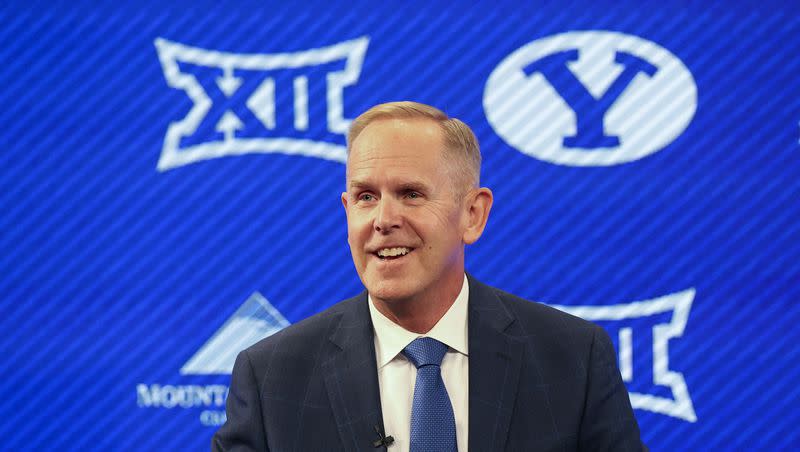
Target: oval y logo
(590,98)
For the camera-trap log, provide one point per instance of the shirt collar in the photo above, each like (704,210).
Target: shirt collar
(451,329)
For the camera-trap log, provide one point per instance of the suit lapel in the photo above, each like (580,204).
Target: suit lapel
(495,361)
(351,377)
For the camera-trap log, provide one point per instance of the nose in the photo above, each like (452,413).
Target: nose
(388,215)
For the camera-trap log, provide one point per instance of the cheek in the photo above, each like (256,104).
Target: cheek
(445,218)
(429,219)
(358,230)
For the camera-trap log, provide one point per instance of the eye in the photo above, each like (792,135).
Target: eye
(413,195)
(366,197)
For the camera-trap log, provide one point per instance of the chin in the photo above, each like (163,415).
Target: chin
(391,290)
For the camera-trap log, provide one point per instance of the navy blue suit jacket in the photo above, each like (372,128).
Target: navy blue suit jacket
(539,379)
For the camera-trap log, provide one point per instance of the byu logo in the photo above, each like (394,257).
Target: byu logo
(245,103)
(651,324)
(592,98)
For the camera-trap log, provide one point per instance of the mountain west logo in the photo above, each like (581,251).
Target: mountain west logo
(255,319)
(641,331)
(592,98)
(259,103)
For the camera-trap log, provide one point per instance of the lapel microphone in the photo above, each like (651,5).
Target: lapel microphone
(382,441)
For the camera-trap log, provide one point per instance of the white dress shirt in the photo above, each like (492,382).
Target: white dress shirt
(397,375)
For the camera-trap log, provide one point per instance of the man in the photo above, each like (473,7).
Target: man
(428,355)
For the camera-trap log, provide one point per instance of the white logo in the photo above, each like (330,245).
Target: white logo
(259,103)
(255,319)
(591,98)
(621,318)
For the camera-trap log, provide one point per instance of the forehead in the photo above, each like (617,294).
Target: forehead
(395,146)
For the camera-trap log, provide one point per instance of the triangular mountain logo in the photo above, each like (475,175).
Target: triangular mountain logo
(255,319)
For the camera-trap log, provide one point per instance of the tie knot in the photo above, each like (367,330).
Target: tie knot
(424,351)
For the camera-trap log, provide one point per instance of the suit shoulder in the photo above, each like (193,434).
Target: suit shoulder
(563,341)
(536,316)
(303,336)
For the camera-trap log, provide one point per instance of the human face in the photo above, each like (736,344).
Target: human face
(405,220)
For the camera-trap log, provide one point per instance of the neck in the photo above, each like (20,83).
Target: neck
(421,313)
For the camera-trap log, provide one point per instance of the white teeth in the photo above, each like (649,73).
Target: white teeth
(392,252)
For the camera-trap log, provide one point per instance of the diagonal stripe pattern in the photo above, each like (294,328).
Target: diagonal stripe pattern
(114,274)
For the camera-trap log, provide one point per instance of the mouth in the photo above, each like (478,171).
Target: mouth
(393,253)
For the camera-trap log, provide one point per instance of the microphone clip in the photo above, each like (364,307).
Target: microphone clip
(382,441)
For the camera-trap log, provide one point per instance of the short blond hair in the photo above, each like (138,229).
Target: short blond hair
(459,139)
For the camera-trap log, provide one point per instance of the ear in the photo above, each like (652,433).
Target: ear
(477,205)
(344,203)
(345,200)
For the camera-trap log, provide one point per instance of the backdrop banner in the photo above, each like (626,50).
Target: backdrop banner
(171,175)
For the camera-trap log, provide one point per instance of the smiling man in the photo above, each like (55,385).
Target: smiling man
(412,204)
(427,358)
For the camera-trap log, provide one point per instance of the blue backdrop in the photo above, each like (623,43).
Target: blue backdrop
(171,176)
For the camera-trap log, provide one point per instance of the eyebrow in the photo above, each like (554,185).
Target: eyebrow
(413,186)
(358,185)
(405,186)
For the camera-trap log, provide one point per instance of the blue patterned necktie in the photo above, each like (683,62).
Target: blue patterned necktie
(433,426)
